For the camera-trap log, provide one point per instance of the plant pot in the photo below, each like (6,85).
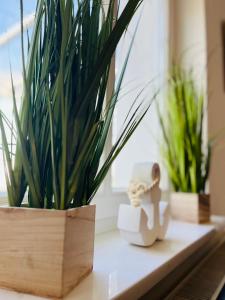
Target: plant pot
(45,252)
(190,207)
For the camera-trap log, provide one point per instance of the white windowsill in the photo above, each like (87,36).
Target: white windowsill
(129,271)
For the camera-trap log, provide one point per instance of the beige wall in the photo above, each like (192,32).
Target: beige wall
(215,13)
(196,41)
(188,25)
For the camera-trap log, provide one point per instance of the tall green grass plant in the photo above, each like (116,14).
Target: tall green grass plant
(186,159)
(62,127)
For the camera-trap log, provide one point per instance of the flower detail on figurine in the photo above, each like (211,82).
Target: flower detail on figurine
(135,190)
(138,188)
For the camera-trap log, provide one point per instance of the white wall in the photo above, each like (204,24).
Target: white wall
(189,36)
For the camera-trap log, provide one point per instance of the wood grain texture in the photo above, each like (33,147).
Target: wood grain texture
(78,246)
(190,207)
(45,252)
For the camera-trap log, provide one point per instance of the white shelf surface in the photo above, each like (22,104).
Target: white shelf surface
(123,271)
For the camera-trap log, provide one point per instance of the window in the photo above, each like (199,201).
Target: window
(146,68)
(10,54)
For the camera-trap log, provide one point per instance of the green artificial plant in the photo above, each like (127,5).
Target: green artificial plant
(62,127)
(186,159)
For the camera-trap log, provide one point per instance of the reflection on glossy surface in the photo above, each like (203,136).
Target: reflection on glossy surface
(113,284)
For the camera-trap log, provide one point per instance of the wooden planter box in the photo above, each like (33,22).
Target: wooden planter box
(190,207)
(45,252)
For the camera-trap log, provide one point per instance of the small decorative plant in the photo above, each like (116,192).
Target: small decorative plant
(61,130)
(186,159)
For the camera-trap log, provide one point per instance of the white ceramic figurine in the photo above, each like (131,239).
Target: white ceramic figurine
(146,219)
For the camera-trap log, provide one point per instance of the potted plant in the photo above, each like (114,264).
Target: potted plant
(53,171)
(186,159)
